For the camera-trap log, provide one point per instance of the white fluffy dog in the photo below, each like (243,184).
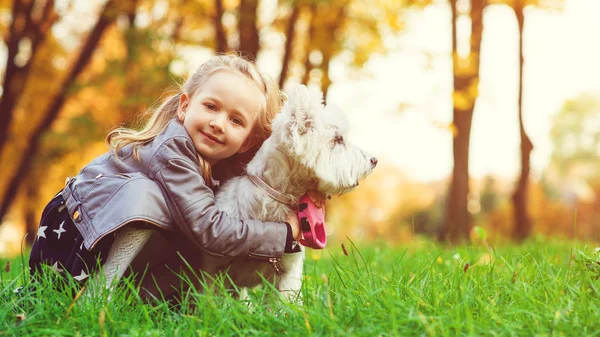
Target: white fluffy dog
(307,150)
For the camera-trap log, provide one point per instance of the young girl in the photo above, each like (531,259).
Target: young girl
(160,177)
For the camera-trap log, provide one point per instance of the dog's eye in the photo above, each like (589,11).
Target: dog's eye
(338,139)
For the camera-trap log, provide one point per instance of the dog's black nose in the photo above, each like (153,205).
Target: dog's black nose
(373,161)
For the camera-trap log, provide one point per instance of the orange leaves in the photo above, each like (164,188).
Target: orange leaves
(392,13)
(453,129)
(464,100)
(466,65)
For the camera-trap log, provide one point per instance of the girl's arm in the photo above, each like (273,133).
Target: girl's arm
(192,204)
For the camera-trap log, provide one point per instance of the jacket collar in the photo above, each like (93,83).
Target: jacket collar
(175,128)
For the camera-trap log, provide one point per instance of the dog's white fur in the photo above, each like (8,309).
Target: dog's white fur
(306,151)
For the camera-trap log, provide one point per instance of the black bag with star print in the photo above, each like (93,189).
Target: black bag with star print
(60,245)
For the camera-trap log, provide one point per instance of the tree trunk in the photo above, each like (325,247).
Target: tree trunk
(330,49)
(248,30)
(107,16)
(325,80)
(130,68)
(23,26)
(457,224)
(290,34)
(308,44)
(522,221)
(220,36)
(32,190)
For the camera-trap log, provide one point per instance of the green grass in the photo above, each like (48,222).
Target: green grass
(541,288)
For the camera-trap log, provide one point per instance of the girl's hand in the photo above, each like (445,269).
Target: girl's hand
(293,221)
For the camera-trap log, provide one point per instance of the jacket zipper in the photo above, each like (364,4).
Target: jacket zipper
(276,265)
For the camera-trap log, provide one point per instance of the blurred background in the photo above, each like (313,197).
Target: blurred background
(484,115)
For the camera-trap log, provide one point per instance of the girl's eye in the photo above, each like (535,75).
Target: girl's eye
(211,107)
(236,120)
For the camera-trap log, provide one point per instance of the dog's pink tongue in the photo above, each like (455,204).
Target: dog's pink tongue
(312,222)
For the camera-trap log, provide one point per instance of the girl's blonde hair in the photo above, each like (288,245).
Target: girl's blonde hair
(161,116)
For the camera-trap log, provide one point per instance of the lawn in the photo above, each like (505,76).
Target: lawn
(541,288)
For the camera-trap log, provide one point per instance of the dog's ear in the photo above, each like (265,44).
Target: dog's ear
(303,104)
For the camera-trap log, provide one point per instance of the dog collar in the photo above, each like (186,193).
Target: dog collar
(273,193)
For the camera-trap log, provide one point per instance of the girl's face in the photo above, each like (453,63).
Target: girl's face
(220,115)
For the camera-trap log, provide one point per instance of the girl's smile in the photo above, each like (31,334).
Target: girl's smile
(211,138)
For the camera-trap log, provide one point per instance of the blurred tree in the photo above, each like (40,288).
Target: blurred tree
(248,28)
(378,211)
(325,29)
(330,26)
(571,183)
(488,197)
(30,26)
(575,136)
(290,38)
(221,46)
(522,221)
(50,113)
(522,226)
(457,222)
(315,32)
(426,220)
(113,78)
(131,70)
(310,33)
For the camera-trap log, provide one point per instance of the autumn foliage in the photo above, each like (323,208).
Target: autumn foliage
(74,70)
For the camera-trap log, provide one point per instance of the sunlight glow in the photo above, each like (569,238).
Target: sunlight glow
(561,61)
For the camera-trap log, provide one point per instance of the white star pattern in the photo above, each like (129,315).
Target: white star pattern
(60,230)
(55,267)
(42,231)
(81,276)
